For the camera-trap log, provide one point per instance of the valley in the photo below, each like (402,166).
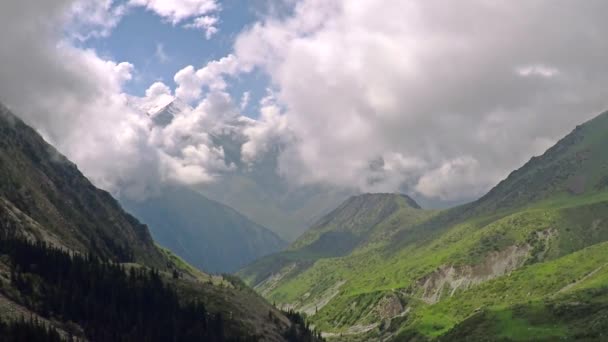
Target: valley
(384,268)
(303,171)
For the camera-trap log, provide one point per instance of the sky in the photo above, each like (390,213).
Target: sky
(439,99)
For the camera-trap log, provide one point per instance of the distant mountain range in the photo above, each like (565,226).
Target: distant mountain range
(199,222)
(528,261)
(207,234)
(257,191)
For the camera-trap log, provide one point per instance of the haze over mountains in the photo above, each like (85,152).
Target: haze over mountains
(256,190)
(207,234)
(212,235)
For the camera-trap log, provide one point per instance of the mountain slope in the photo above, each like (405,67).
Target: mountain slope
(41,188)
(576,165)
(489,268)
(361,223)
(72,259)
(205,233)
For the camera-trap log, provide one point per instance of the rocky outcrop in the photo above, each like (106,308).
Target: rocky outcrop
(448,278)
(389,306)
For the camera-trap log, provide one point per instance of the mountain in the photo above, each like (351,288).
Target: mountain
(164,115)
(207,234)
(527,261)
(255,190)
(73,263)
(43,195)
(259,192)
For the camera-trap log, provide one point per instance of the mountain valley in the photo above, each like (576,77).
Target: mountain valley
(525,261)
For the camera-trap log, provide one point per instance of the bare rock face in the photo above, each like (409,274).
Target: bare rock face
(449,279)
(389,306)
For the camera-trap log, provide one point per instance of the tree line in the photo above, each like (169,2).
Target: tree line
(108,301)
(30,330)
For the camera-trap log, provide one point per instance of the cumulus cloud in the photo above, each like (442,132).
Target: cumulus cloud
(269,130)
(206,23)
(93,18)
(422,96)
(212,77)
(177,11)
(198,14)
(443,99)
(82,109)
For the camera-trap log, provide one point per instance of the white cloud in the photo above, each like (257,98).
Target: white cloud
(212,77)
(269,130)
(158,96)
(93,18)
(96,18)
(206,23)
(453,178)
(189,85)
(177,11)
(188,153)
(245,98)
(449,88)
(422,95)
(82,109)
(537,70)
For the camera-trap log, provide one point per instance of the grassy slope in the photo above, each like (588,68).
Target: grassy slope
(554,206)
(563,298)
(372,273)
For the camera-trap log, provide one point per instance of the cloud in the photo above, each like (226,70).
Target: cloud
(191,82)
(206,23)
(452,178)
(198,14)
(189,155)
(81,108)
(160,53)
(421,96)
(177,11)
(93,18)
(537,70)
(462,93)
(245,98)
(269,130)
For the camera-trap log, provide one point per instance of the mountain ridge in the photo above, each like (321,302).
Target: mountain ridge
(50,190)
(70,256)
(206,233)
(426,277)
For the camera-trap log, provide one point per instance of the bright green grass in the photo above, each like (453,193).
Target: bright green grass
(371,271)
(533,207)
(527,285)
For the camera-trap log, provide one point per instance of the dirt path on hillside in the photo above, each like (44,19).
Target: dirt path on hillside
(591,274)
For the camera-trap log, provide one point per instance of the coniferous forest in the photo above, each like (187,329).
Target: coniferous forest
(29,330)
(108,301)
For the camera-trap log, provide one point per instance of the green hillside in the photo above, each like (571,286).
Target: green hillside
(511,264)
(74,263)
